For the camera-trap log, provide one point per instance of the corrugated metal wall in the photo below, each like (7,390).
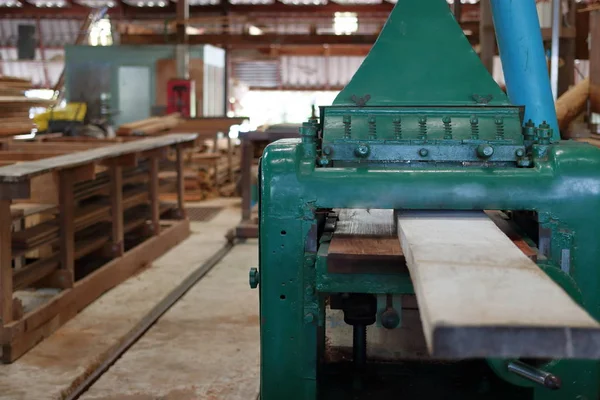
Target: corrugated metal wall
(34,70)
(300,72)
(318,71)
(54,32)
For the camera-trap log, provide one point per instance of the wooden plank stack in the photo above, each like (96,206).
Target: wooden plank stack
(14,106)
(150,126)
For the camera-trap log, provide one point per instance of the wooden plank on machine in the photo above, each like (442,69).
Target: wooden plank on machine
(365,241)
(480,296)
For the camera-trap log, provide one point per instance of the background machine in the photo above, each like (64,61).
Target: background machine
(423,126)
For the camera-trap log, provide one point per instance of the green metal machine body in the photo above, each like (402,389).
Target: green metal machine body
(422,125)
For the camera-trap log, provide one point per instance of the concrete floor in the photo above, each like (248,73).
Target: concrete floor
(220,320)
(205,347)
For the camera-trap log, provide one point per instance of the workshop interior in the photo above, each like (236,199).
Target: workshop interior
(300,199)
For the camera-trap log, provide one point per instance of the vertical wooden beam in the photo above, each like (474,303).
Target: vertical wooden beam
(595,70)
(154,199)
(457,10)
(42,52)
(230,159)
(67,229)
(6,273)
(247,157)
(180,183)
(487,38)
(567,48)
(116,209)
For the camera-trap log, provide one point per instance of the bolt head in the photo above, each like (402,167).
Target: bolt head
(254,278)
(520,152)
(362,150)
(423,152)
(309,318)
(390,318)
(323,162)
(327,150)
(485,151)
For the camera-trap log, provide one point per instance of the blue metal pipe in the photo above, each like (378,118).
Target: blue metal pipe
(523,60)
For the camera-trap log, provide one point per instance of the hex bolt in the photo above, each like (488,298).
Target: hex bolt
(327,150)
(423,152)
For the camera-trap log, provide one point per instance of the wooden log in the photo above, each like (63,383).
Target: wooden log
(480,296)
(572,103)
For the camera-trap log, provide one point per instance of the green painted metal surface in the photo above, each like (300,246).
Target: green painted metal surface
(560,187)
(434,132)
(421,58)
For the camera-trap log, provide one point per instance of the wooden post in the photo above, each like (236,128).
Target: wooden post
(180,182)
(247,156)
(487,38)
(6,273)
(67,229)
(154,200)
(116,209)
(595,68)
(566,72)
(230,159)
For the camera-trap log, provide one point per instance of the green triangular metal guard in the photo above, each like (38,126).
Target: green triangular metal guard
(421,58)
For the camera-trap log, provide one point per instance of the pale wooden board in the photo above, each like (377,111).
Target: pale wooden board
(26,170)
(480,296)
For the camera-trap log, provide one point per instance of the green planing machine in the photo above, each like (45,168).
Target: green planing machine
(421,126)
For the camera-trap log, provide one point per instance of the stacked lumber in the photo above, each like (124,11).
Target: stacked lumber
(150,126)
(208,174)
(14,106)
(92,214)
